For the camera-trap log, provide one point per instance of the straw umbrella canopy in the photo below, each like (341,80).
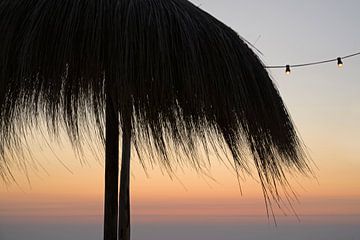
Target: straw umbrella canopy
(163,74)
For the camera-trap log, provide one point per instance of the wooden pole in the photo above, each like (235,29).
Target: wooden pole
(111,170)
(124,197)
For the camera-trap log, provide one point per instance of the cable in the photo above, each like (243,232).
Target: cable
(288,67)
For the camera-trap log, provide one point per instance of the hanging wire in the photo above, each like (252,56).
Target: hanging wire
(287,67)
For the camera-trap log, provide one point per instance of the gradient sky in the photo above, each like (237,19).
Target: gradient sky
(323,101)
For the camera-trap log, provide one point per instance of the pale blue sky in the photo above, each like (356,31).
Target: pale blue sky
(324,101)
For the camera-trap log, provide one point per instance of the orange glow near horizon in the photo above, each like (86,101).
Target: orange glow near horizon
(78,195)
(53,191)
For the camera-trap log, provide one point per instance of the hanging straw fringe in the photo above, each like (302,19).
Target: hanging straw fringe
(188,78)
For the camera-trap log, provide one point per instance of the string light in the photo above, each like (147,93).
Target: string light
(287,70)
(339,61)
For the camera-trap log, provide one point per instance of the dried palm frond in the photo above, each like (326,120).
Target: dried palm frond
(183,77)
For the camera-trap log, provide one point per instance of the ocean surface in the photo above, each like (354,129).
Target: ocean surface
(309,228)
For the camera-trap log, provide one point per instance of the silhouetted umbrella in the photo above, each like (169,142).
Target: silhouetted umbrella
(164,72)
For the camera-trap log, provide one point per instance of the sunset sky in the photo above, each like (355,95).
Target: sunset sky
(53,202)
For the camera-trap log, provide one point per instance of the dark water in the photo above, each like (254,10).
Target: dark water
(331,228)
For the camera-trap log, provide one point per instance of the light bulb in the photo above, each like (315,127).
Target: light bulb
(340,62)
(287,70)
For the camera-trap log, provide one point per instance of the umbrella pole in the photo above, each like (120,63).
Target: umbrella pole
(124,197)
(111,171)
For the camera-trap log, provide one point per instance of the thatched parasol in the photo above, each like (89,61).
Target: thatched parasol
(165,73)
